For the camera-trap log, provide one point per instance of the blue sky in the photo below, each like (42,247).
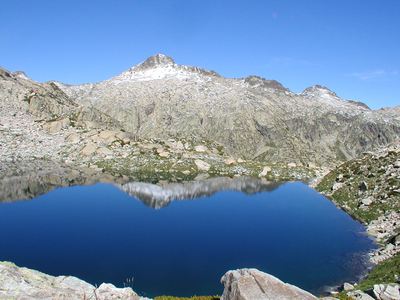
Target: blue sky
(351,47)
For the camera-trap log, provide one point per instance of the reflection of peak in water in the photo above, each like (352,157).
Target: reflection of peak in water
(23,188)
(33,184)
(160,196)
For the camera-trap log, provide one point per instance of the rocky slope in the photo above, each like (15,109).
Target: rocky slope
(368,188)
(42,129)
(253,117)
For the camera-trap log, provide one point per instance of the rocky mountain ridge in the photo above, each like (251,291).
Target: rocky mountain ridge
(160,99)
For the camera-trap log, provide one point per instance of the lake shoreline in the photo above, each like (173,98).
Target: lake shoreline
(86,179)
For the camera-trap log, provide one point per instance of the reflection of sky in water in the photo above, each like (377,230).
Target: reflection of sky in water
(100,234)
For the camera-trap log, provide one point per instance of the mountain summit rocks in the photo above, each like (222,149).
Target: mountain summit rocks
(155,60)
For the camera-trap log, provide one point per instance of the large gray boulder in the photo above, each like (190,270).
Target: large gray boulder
(387,292)
(23,283)
(250,284)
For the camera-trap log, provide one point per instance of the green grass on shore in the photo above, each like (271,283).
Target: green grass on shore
(185,298)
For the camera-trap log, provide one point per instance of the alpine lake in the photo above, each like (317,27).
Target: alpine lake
(180,238)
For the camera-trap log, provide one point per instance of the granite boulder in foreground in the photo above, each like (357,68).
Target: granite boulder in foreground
(250,284)
(243,284)
(23,283)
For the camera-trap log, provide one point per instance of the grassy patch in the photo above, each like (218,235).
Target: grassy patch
(384,272)
(185,298)
(341,296)
(382,181)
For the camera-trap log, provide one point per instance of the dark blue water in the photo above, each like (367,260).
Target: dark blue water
(100,234)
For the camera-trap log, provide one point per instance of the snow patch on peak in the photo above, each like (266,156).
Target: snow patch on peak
(358,103)
(324,95)
(321,94)
(160,66)
(154,73)
(20,74)
(318,90)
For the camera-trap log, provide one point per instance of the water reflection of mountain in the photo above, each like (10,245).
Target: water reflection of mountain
(33,184)
(24,188)
(160,196)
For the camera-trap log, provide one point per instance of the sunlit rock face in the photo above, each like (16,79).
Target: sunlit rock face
(24,283)
(249,284)
(253,117)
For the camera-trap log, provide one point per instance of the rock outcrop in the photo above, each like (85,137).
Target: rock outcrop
(387,291)
(39,123)
(379,292)
(251,284)
(23,283)
(368,188)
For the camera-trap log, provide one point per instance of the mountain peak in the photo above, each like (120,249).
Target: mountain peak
(318,87)
(323,94)
(256,80)
(154,61)
(20,74)
(318,91)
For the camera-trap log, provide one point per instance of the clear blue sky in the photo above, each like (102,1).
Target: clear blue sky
(351,47)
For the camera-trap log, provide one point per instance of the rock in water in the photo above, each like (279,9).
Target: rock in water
(250,284)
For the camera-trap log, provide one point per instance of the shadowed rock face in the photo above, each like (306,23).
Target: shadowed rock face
(254,118)
(255,80)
